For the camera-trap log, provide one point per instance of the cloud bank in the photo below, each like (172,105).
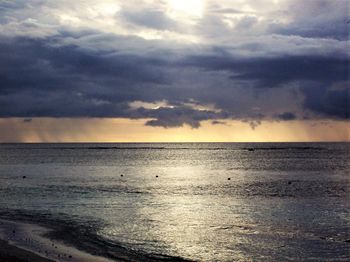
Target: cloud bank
(190,60)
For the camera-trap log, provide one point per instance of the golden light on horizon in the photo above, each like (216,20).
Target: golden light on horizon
(126,130)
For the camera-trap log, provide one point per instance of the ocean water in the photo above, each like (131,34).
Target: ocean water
(200,201)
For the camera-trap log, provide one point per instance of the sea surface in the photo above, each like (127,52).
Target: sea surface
(195,201)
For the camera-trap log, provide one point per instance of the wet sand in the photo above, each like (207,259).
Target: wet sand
(12,253)
(26,242)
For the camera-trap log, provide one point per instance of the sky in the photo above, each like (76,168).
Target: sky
(174,70)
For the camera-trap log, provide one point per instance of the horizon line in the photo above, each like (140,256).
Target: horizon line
(187,142)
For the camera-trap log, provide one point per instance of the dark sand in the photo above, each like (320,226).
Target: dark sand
(23,241)
(14,254)
(28,242)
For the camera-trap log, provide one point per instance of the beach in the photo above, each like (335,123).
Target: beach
(27,242)
(12,253)
(24,241)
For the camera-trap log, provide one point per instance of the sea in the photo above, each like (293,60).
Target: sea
(185,201)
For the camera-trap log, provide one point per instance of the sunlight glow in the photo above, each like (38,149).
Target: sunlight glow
(68,19)
(126,130)
(105,9)
(147,105)
(186,9)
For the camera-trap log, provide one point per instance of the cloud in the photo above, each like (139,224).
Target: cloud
(327,102)
(88,59)
(316,19)
(179,116)
(217,122)
(39,79)
(151,18)
(287,116)
(253,123)
(273,71)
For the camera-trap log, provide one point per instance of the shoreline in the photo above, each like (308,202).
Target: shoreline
(12,253)
(23,241)
(34,239)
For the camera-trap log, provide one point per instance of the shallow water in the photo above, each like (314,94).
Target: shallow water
(210,202)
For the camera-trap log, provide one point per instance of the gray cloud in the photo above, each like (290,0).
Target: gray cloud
(316,19)
(287,116)
(250,71)
(217,122)
(151,18)
(178,116)
(328,102)
(27,120)
(271,72)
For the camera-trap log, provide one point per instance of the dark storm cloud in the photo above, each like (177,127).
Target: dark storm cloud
(86,68)
(305,70)
(337,29)
(333,103)
(287,116)
(271,72)
(178,116)
(34,64)
(27,63)
(217,122)
(42,80)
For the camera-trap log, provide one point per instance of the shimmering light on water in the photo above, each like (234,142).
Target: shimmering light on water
(282,200)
